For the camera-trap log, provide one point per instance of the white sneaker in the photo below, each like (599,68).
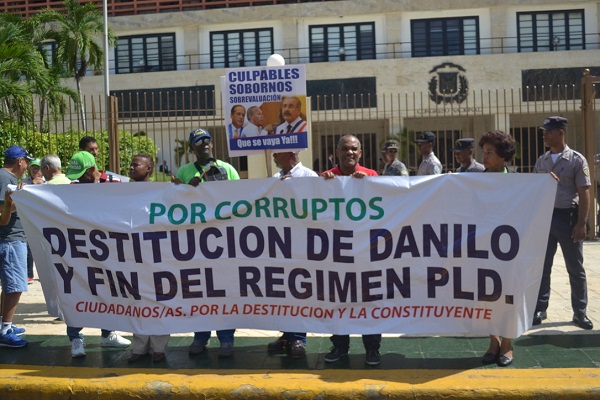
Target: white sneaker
(77,348)
(114,340)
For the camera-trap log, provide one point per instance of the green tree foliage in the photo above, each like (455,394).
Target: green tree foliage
(25,71)
(77,32)
(22,69)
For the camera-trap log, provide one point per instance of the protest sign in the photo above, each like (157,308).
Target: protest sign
(265,109)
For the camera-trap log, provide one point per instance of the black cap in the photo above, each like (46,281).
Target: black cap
(464,144)
(425,137)
(552,123)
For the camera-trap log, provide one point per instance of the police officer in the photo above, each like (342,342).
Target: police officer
(430,164)
(568,226)
(463,152)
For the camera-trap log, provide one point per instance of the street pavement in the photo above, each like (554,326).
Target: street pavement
(556,360)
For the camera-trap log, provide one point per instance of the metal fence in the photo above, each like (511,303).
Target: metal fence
(167,117)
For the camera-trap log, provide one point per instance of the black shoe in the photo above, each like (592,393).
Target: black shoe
(373,357)
(278,346)
(539,316)
(135,357)
(582,321)
(335,354)
(504,361)
(297,349)
(489,358)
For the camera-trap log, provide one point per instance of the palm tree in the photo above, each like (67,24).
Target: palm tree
(77,32)
(21,68)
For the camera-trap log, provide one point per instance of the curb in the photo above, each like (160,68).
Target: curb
(26,382)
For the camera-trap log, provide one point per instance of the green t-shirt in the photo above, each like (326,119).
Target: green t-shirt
(189,171)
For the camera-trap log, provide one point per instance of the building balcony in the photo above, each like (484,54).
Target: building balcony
(115,8)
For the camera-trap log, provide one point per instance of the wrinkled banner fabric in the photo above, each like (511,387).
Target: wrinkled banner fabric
(447,255)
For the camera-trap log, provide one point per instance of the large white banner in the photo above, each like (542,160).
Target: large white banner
(449,254)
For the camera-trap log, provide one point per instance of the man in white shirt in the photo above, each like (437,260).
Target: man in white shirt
(291,166)
(292,343)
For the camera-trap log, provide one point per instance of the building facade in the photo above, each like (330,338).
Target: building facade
(375,68)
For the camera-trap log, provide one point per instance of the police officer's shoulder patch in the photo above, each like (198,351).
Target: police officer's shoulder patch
(586,170)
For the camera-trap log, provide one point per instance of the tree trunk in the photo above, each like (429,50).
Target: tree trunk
(42,115)
(81,104)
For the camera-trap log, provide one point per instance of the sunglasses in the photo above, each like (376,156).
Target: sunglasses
(203,141)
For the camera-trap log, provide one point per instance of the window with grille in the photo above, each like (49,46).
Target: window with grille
(49,50)
(342,42)
(444,36)
(246,48)
(550,30)
(145,53)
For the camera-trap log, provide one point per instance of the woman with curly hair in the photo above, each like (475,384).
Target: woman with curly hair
(498,150)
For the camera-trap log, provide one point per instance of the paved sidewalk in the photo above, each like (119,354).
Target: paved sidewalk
(557,360)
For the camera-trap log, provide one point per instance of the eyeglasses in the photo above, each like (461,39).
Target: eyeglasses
(203,141)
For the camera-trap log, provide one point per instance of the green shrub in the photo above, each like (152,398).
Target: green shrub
(66,144)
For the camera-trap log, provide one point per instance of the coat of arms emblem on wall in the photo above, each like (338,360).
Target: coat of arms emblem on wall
(448,84)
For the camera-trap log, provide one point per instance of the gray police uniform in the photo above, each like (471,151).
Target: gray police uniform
(430,165)
(396,168)
(572,170)
(473,167)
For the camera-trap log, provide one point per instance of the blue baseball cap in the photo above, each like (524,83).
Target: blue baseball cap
(14,152)
(198,134)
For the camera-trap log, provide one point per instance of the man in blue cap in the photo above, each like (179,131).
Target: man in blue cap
(206,168)
(13,249)
(568,225)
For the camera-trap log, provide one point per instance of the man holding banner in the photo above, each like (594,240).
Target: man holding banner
(82,170)
(293,343)
(13,250)
(207,168)
(348,153)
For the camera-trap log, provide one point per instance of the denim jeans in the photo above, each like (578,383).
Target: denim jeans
(75,333)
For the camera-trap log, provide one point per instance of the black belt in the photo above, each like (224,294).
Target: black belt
(565,210)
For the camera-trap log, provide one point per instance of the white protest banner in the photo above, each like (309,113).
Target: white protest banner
(265,109)
(447,254)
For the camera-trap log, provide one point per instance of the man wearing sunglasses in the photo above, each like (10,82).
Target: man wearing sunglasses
(206,168)
(393,166)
